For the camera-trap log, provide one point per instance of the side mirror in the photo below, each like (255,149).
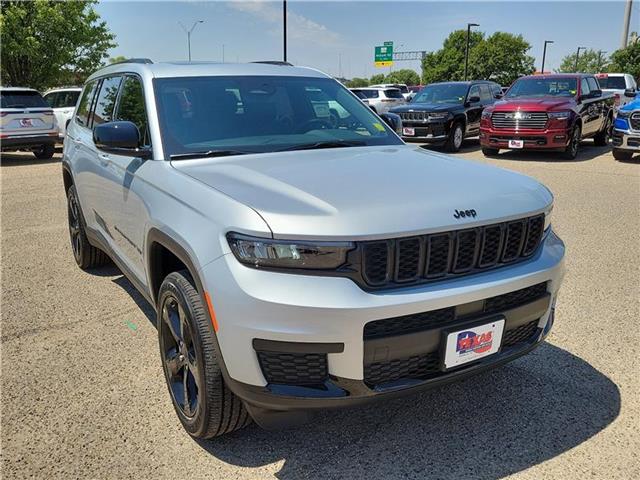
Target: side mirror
(498,96)
(121,138)
(393,120)
(630,92)
(595,93)
(474,99)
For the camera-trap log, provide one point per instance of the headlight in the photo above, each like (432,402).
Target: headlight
(266,252)
(559,115)
(624,113)
(486,113)
(438,115)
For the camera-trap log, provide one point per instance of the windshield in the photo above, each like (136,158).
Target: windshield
(21,99)
(614,83)
(543,87)
(256,114)
(442,93)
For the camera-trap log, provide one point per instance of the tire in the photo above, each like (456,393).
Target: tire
(490,152)
(45,153)
(601,139)
(456,137)
(190,361)
(571,151)
(622,155)
(85,254)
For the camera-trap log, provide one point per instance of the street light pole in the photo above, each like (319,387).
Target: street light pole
(544,54)
(600,52)
(625,25)
(284,28)
(466,52)
(188,32)
(578,56)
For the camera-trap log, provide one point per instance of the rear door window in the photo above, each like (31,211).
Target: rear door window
(21,99)
(393,93)
(106,101)
(82,114)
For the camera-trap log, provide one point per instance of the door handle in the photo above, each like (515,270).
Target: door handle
(104,159)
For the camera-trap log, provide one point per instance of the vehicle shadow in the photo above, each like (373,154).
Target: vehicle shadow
(486,427)
(588,151)
(22,159)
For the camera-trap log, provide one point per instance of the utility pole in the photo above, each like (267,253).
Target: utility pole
(544,54)
(188,32)
(600,52)
(284,28)
(625,24)
(466,52)
(578,56)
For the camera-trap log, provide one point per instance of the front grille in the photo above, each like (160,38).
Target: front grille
(521,334)
(425,258)
(422,321)
(413,116)
(294,368)
(635,121)
(425,366)
(528,120)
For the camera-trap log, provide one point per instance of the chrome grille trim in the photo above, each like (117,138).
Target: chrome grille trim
(507,120)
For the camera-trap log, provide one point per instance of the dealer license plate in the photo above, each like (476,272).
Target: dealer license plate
(408,131)
(472,343)
(516,143)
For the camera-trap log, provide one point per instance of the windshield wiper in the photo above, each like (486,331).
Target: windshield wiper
(326,144)
(208,153)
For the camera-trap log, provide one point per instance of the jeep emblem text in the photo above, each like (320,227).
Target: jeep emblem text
(464,213)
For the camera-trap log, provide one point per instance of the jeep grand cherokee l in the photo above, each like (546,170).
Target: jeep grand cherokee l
(446,113)
(548,112)
(296,263)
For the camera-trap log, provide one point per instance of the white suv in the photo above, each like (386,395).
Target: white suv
(622,85)
(380,99)
(63,101)
(27,122)
(299,261)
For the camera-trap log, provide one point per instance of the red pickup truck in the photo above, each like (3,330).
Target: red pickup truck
(548,112)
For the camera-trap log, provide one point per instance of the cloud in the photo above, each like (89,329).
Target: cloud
(299,27)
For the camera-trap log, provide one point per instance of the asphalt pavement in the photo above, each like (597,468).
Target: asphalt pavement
(83,394)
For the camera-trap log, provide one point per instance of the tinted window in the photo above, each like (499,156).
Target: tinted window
(131,107)
(442,93)
(474,91)
(393,93)
(543,87)
(103,111)
(584,87)
(593,85)
(62,99)
(617,83)
(262,114)
(485,93)
(496,89)
(21,99)
(368,93)
(82,113)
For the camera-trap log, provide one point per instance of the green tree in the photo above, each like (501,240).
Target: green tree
(117,58)
(501,57)
(377,78)
(46,42)
(404,75)
(589,61)
(626,60)
(357,82)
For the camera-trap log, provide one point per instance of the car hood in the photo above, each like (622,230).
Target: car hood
(426,107)
(534,104)
(368,192)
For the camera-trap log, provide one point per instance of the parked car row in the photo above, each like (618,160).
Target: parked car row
(29,121)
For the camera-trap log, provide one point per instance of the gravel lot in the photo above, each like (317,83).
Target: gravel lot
(83,393)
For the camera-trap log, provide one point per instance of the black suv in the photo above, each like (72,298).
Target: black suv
(446,113)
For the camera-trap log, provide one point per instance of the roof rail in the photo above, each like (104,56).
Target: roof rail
(133,60)
(275,62)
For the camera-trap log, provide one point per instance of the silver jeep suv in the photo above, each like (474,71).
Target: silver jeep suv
(298,254)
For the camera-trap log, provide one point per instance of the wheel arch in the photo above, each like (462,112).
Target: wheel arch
(67,177)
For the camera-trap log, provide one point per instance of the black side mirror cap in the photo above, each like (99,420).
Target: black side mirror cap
(474,99)
(120,138)
(630,92)
(393,120)
(498,96)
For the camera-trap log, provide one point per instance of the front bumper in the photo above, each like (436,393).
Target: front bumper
(533,139)
(263,309)
(435,132)
(626,140)
(28,141)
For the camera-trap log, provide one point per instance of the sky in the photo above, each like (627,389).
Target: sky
(338,37)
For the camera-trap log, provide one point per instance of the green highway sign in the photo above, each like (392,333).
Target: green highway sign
(383,55)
